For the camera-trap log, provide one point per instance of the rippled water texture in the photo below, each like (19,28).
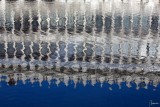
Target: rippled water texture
(94,50)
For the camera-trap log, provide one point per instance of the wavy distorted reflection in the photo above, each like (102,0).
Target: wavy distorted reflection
(136,80)
(79,53)
(80,35)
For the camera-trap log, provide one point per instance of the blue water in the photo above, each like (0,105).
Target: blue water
(32,95)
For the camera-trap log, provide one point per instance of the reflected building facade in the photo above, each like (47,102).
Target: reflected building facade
(136,80)
(80,36)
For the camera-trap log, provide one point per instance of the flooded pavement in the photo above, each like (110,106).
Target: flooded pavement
(84,42)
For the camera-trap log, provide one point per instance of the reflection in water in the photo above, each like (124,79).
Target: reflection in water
(89,42)
(110,89)
(38,34)
(11,82)
(92,77)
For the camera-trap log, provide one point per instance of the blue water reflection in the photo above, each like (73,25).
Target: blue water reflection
(32,95)
(99,53)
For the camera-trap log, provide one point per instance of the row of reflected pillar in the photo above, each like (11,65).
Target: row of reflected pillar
(64,51)
(85,79)
(79,19)
(21,18)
